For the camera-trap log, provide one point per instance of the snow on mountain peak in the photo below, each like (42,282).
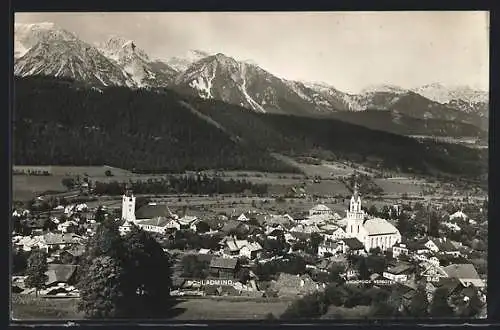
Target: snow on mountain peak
(182,62)
(383,88)
(26,35)
(444,94)
(122,50)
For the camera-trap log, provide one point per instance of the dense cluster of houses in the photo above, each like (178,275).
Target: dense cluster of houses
(356,233)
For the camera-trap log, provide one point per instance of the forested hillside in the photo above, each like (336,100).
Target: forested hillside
(58,122)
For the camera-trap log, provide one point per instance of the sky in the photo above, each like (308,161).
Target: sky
(348,50)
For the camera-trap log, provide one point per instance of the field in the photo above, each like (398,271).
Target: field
(400,186)
(32,308)
(26,307)
(357,312)
(229,309)
(25,187)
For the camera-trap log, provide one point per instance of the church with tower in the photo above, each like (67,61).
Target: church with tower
(372,232)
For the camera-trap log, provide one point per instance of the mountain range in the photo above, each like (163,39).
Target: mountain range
(46,49)
(60,121)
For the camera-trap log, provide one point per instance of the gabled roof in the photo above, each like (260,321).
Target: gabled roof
(451,284)
(353,243)
(226,263)
(444,245)
(378,226)
(400,268)
(54,239)
(416,245)
(232,246)
(59,273)
(152,211)
(254,246)
(459,214)
(77,250)
(156,221)
(187,219)
(320,207)
(462,271)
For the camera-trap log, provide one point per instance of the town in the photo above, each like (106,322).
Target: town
(428,259)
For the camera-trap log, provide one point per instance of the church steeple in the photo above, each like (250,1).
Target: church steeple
(355,205)
(128,204)
(355,216)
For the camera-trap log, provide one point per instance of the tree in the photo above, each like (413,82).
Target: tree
(309,306)
(419,304)
(473,306)
(193,268)
(334,295)
(373,210)
(363,270)
(202,227)
(314,242)
(334,272)
(439,306)
(37,266)
(19,262)
(69,183)
(433,229)
(403,224)
(100,215)
(149,273)
(103,289)
(376,263)
(244,275)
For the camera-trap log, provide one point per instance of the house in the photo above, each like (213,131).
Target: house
(252,250)
(452,285)
(282,220)
(452,226)
(399,249)
(320,209)
(201,226)
(328,246)
(155,225)
(465,273)
(188,222)
(63,227)
(61,241)
(327,229)
(401,272)
(419,247)
(306,229)
(459,215)
(235,247)
(224,268)
(293,285)
(72,254)
(81,207)
(352,245)
(333,232)
(274,232)
(60,273)
(243,218)
(28,243)
(442,245)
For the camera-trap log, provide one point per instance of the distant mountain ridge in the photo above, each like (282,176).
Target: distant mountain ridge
(68,122)
(47,49)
